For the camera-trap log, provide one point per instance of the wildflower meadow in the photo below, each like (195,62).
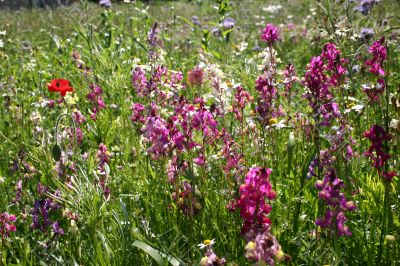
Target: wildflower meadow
(202,132)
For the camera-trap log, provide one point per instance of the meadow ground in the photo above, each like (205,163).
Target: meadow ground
(200,133)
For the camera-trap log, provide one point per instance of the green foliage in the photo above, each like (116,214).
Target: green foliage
(140,223)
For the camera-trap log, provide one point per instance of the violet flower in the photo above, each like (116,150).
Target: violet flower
(270,34)
(228,23)
(377,135)
(378,50)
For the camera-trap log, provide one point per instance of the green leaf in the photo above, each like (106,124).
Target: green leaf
(150,251)
(205,40)
(56,152)
(57,41)
(185,20)
(226,32)
(157,255)
(216,54)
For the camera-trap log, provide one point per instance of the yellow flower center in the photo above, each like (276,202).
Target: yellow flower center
(273,121)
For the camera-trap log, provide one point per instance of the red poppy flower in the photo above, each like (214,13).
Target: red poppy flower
(60,85)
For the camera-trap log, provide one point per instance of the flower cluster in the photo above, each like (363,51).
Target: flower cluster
(210,258)
(334,64)
(229,151)
(241,98)
(253,208)
(79,119)
(377,135)
(187,199)
(156,132)
(266,105)
(366,34)
(139,81)
(289,75)
(375,64)
(153,41)
(65,165)
(41,216)
(77,59)
(331,186)
(104,156)
(323,73)
(18,192)
(270,34)
(196,76)
(7,224)
(265,248)
(365,6)
(330,192)
(316,81)
(161,83)
(96,99)
(175,168)
(137,113)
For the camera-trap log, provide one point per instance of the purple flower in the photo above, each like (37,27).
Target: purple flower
(200,161)
(216,32)
(139,81)
(242,98)
(156,132)
(377,135)
(105,3)
(366,34)
(18,192)
(41,214)
(78,117)
(228,23)
(311,168)
(378,50)
(137,113)
(336,202)
(374,92)
(270,34)
(342,229)
(57,230)
(96,99)
(329,112)
(195,20)
(365,6)
(103,154)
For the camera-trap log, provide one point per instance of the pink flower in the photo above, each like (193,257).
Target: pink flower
(196,76)
(242,98)
(253,193)
(336,202)
(200,161)
(378,50)
(137,113)
(156,132)
(377,135)
(7,224)
(96,99)
(270,34)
